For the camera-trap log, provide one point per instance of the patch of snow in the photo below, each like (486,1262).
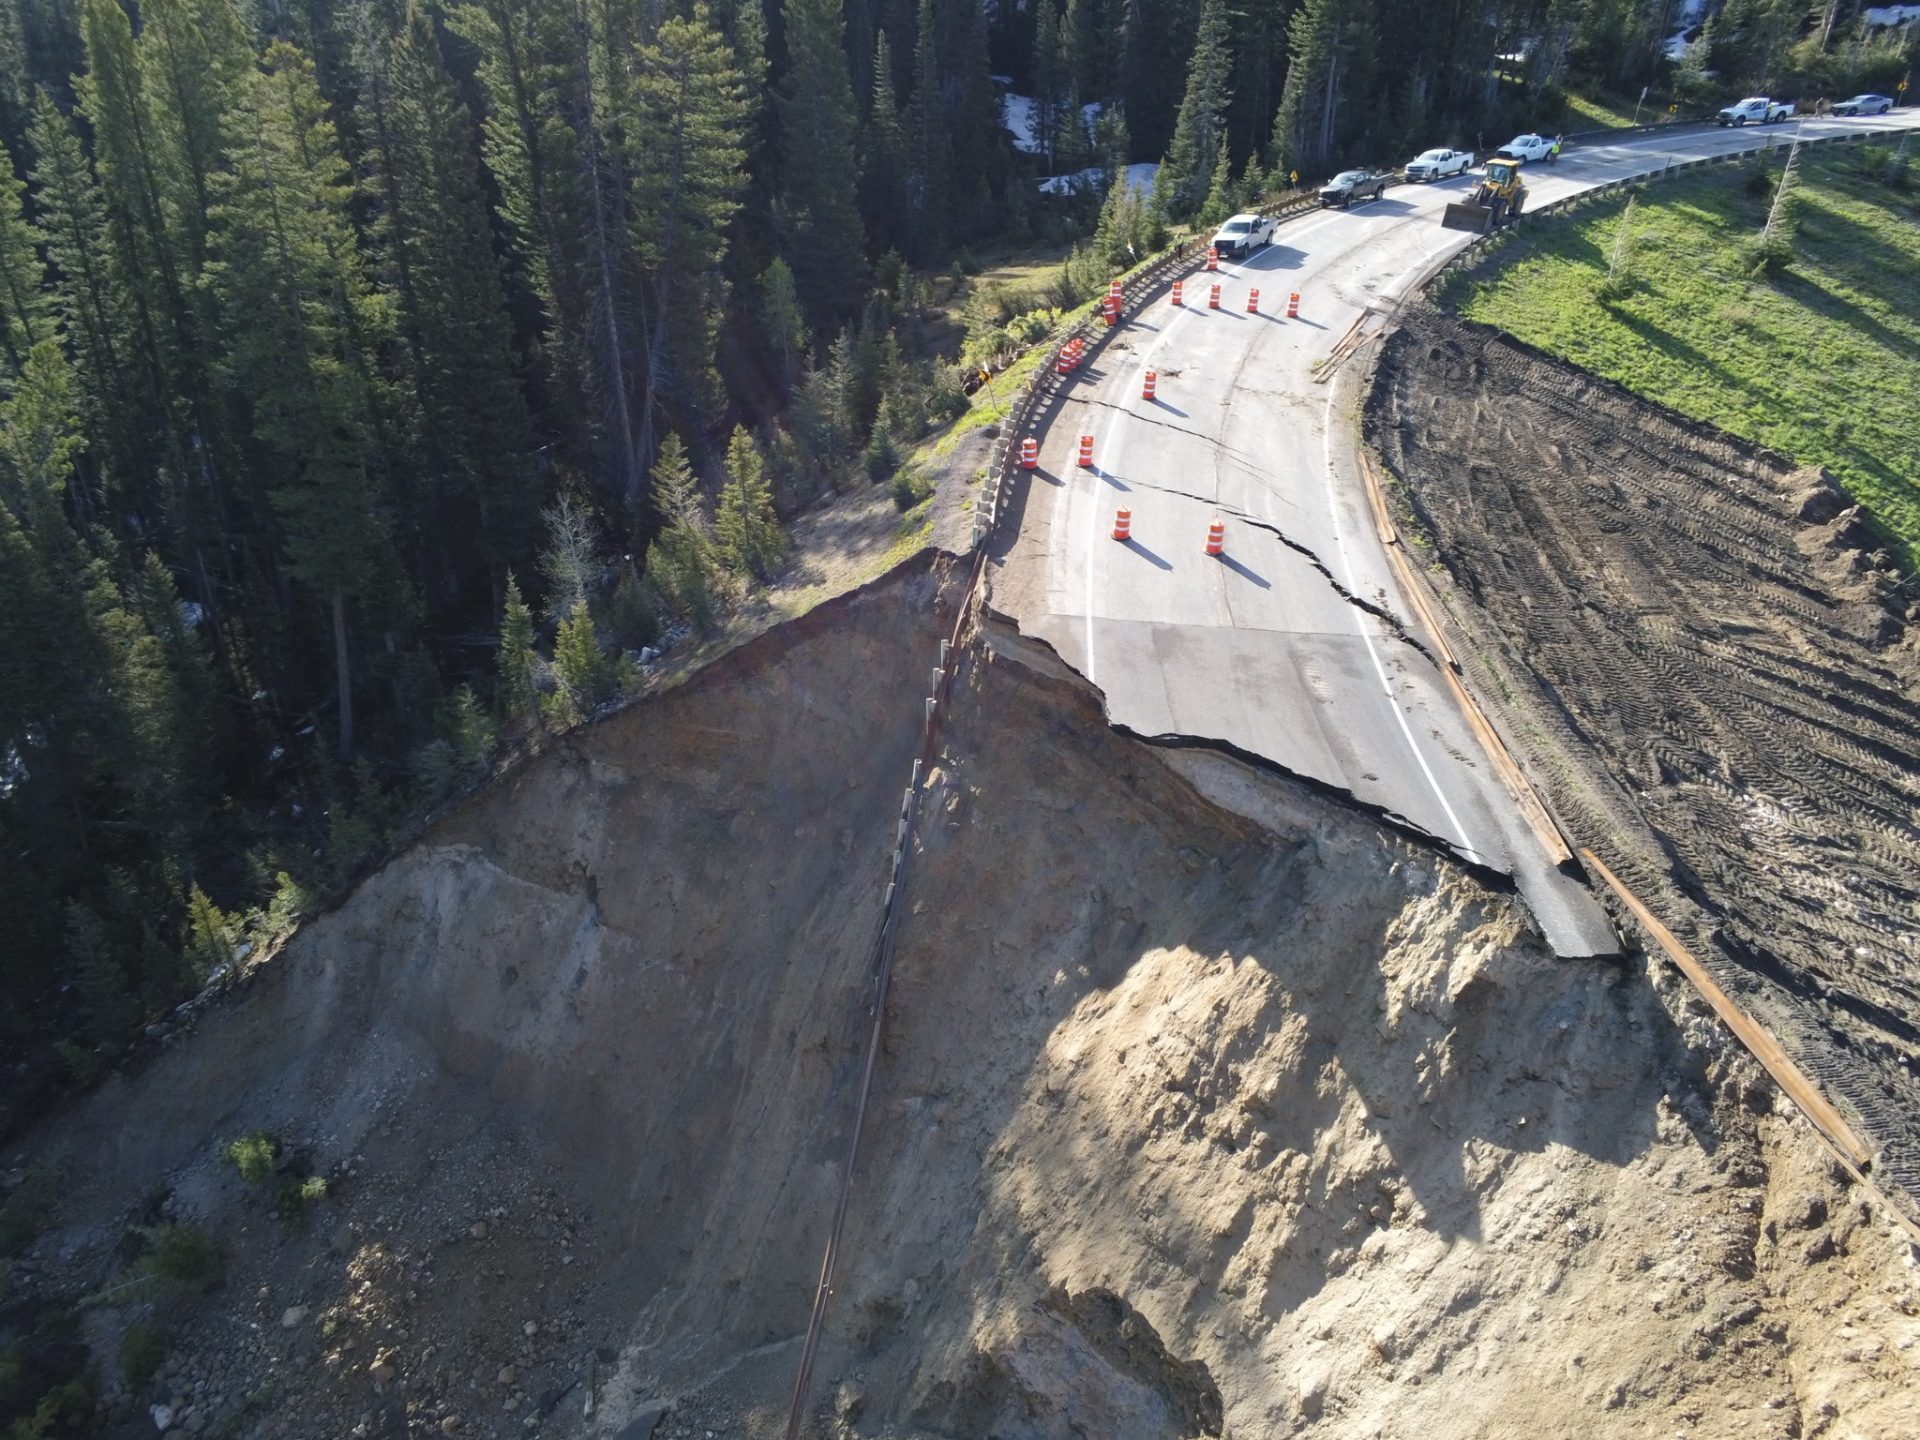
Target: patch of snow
(1677,45)
(1881,16)
(1017,111)
(1135,177)
(1020,116)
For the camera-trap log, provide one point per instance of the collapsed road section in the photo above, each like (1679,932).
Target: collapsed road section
(1709,662)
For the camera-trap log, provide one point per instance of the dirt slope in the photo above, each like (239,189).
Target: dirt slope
(1711,664)
(1207,1108)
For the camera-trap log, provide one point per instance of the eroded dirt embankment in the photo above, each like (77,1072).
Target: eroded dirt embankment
(1710,663)
(1207,1108)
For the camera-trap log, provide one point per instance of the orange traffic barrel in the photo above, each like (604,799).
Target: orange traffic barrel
(1293,306)
(1213,297)
(1086,452)
(1176,294)
(1213,257)
(1217,538)
(1123,524)
(1253,302)
(1029,453)
(1151,379)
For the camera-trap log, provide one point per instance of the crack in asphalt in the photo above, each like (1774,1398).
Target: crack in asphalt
(1393,622)
(1490,876)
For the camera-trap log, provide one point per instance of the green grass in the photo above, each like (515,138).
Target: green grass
(1821,363)
(1598,112)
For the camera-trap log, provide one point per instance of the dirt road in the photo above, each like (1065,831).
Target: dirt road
(1708,663)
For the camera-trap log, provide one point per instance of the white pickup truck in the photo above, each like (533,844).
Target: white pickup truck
(1244,234)
(1755,110)
(1527,147)
(1438,164)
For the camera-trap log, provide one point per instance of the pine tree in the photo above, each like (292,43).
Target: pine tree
(585,676)
(780,318)
(688,146)
(88,297)
(1219,203)
(681,563)
(746,526)
(1199,132)
(24,301)
(1152,31)
(929,149)
(431,220)
(1328,45)
(883,158)
(1049,81)
(533,155)
(193,54)
(820,222)
(518,663)
(296,307)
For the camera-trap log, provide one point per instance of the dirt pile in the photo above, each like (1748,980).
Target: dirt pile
(1207,1108)
(1709,663)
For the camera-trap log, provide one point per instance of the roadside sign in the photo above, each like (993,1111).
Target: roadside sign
(1293,176)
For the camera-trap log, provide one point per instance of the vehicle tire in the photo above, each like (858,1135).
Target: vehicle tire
(1519,204)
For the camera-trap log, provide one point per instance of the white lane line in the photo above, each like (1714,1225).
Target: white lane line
(1379,667)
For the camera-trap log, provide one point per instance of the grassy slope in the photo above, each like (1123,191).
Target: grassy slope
(1599,112)
(1822,364)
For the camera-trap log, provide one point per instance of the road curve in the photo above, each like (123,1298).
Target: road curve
(1295,645)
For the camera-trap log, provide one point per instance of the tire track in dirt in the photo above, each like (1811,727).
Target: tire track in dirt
(1710,666)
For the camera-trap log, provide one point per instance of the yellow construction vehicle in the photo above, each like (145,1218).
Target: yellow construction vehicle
(1500,195)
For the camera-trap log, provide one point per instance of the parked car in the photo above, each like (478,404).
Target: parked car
(1438,164)
(1756,110)
(1526,147)
(1243,234)
(1864,105)
(1350,187)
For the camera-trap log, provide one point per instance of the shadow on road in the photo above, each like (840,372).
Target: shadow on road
(1114,480)
(1170,409)
(1242,570)
(1144,553)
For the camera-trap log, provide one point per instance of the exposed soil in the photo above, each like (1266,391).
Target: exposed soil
(1710,666)
(1207,1108)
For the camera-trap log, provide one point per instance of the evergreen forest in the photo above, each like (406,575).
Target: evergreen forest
(379,377)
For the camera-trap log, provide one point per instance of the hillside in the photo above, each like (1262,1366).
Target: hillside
(1819,360)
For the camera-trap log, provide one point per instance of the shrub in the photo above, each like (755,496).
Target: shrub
(297,1193)
(26,1212)
(253,1156)
(142,1349)
(1762,255)
(909,488)
(182,1256)
(66,1409)
(633,616)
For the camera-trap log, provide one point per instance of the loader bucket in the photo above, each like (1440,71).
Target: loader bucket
(1467,216)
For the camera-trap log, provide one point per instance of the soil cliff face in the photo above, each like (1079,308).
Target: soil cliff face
(1709,664)
(1206,1108)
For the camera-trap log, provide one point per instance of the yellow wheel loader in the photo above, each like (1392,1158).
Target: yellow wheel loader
(1500,195)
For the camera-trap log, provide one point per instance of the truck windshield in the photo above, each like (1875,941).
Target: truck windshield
(1349,177)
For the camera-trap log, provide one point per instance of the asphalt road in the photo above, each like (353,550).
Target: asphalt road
(1295,644)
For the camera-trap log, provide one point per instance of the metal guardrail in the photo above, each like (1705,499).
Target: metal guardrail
(1047,381)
